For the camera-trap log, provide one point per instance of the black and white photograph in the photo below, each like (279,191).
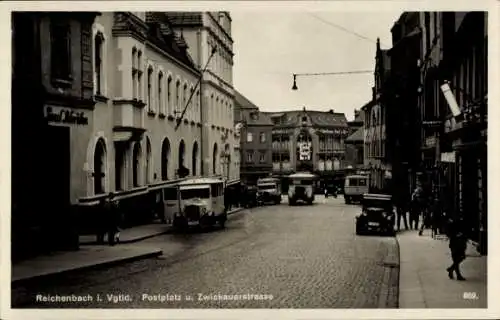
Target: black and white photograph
(249,158)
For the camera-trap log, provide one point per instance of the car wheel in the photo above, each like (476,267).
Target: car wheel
(347,200)
(359,231)
(222,220)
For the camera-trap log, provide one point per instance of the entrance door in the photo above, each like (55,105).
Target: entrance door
(54,182)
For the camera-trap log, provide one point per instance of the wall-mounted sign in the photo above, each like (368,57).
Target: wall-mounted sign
(334,131)
(448,157)
(61,115)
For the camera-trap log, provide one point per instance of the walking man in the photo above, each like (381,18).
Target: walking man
(458,246)
(113,219)
(401,209)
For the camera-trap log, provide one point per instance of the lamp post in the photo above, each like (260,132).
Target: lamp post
(295,75)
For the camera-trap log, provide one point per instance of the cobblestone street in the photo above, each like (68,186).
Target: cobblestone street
(304,256)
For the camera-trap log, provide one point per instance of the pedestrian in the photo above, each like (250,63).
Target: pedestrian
(326,191)
(103,222)
(426,212)
(415,207)
(458,247)
(113,220)
(401,209)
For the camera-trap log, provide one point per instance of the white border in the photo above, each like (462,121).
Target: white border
(360,6)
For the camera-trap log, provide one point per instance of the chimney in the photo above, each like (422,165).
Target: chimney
(331,111)
(356,113)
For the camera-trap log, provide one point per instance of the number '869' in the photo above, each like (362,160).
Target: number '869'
(470,295)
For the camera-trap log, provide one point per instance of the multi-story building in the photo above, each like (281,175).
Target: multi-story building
(455,46)
(256,132)
(376,157)
(210,44)
(53,118)
(402,117)
(144,79)
(354,143)
(309,140)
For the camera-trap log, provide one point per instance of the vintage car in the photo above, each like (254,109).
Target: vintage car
(268,190)
(200,202)
(301,188)
(377,214)
(354,188)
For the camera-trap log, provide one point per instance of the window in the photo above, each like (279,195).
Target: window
(169,94)
(304,119)
(249,156)
(134,73)
(150,85)
(262,137)
(249,137)
(98,67)
(139,76)
(160,93)
(184,97)
(262,157)
(177,93)
(60,36)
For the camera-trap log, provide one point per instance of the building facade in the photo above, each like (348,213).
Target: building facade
(376,155)
(309,140)
(401,98)
(53,118)
(354,143)
(256,144)
(204,32)
(455,49)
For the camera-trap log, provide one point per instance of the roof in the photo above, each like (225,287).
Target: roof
(199,181)
(316,118)
(356,136)
(185,18)
(242,102)
(162,34)
(250,112)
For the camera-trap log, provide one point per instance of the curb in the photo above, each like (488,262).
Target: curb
(168,231)
(48,276)
(389,292)
(93,243)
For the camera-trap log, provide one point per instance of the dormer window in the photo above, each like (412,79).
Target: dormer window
(304,119)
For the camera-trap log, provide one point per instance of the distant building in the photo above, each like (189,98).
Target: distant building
(309,140)
(255,145)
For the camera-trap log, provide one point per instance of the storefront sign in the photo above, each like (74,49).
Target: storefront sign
(280,131)
(61,115)
(334,131)
(430,141)
(448,157)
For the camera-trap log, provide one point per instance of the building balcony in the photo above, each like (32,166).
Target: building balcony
(128,120)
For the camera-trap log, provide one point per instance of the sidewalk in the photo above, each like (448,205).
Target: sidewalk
(424,282)
(86,258)
(92,256)
(139,233)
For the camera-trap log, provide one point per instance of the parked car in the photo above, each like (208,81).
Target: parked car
(354,188)
(269,190)
(250,197)
(377,215)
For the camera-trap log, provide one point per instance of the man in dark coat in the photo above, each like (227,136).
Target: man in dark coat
(458,247)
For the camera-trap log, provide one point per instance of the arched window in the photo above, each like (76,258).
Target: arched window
(136,164)
(184,96)
(150,88)
(194,160)
(165,155)
(214,160)
(177,96)
(216,110)
(227,155)
(169,95)
(148,161)
(211,108)
(98,63)
(139,75)
(99,166)
(160,93)
(182,153)
(134,73)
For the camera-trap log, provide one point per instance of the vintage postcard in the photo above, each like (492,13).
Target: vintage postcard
(198,159)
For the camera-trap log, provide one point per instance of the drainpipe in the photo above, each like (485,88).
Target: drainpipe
(202,121)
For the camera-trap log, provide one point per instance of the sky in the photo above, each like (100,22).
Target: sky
(270,46)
